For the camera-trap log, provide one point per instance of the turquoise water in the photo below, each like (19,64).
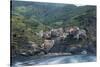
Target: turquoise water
(46,60)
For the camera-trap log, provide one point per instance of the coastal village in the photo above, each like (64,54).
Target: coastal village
(57,42)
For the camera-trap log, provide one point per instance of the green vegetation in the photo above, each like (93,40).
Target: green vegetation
(29,18)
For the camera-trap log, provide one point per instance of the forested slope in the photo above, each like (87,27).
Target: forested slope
(29,18)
